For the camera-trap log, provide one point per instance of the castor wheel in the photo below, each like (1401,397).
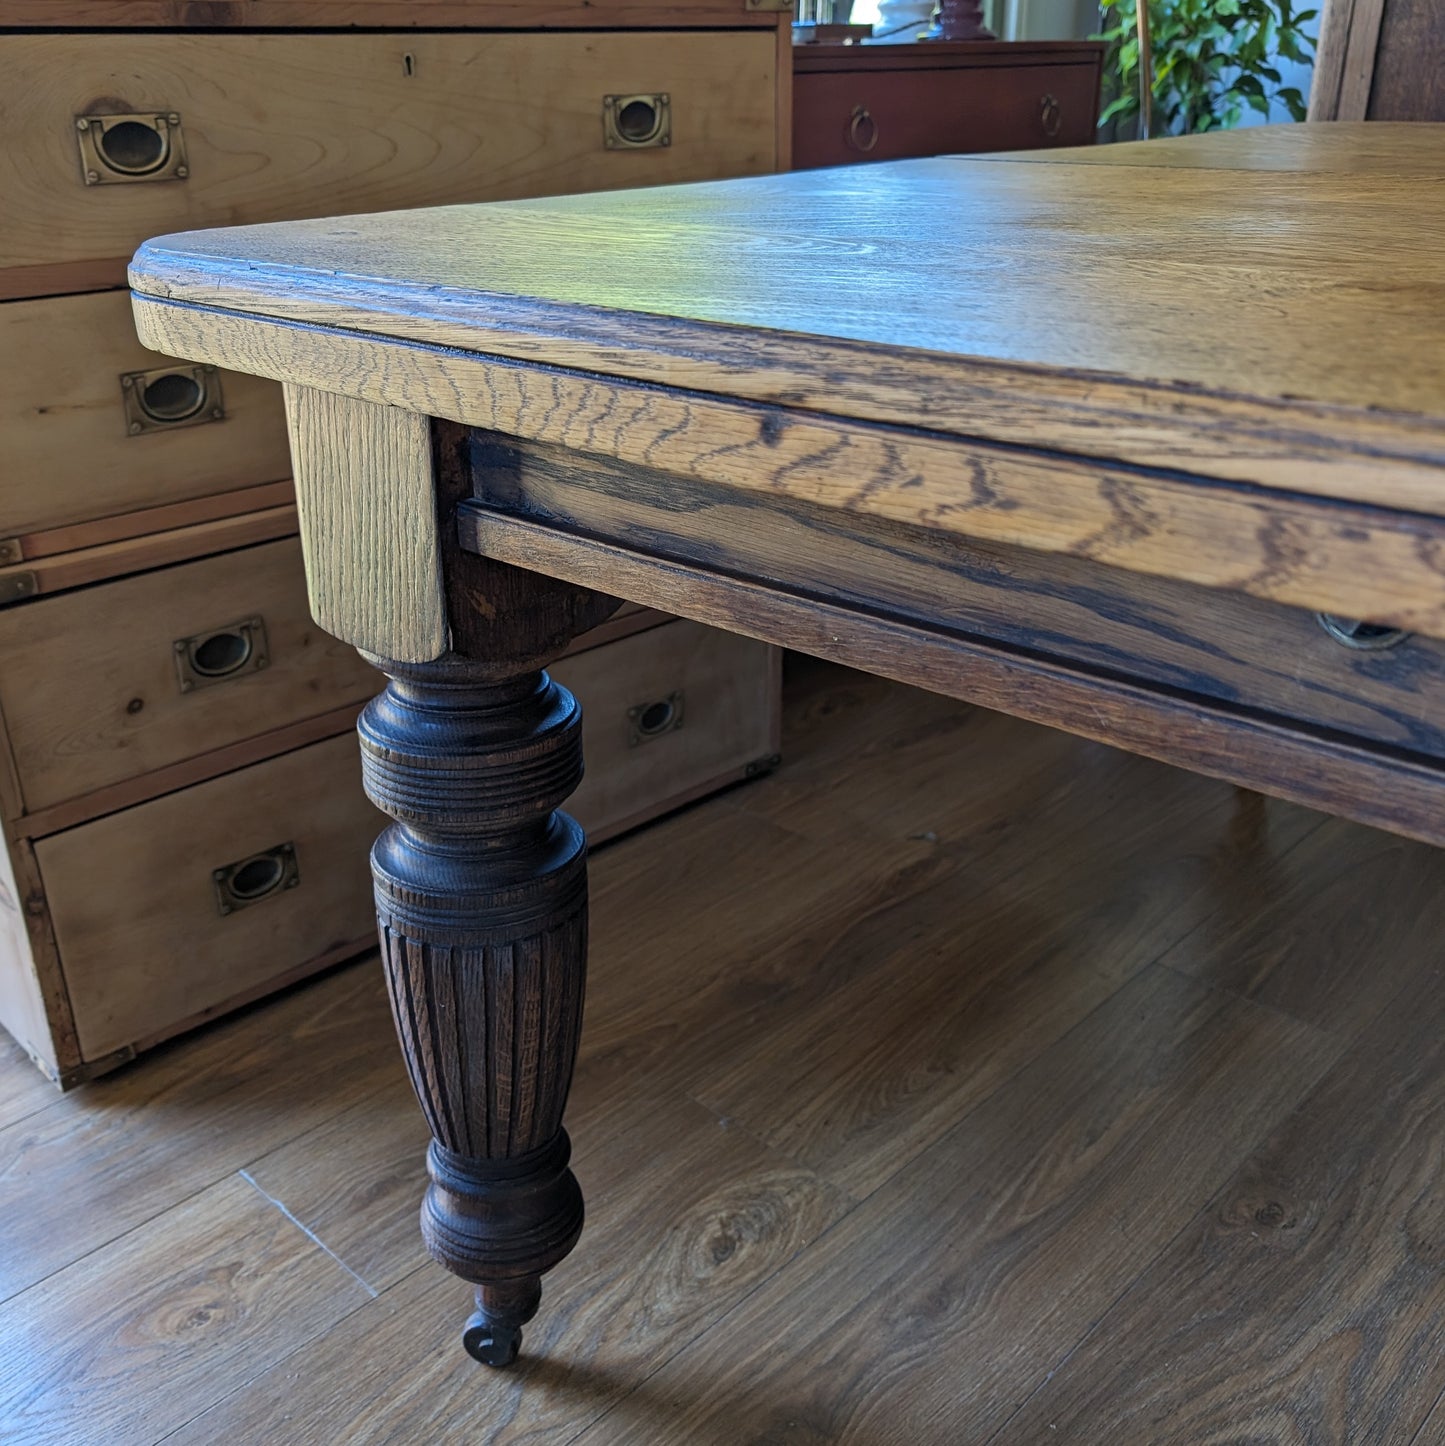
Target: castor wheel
(492,1345)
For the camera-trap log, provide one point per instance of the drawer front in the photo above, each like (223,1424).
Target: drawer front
(840,117)
(108,682)
(287,126)
(144,944)
(668,715)
(77,443)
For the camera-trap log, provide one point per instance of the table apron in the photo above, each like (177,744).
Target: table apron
(1210,680)
(1250,498)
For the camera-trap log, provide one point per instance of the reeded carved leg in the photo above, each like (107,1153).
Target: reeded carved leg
(481,894)
(481,887)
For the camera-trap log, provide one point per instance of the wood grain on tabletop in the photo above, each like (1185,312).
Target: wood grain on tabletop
(1291,549)
(1316,292)
(1058,1188)
(1144,521)
(1329,452)
(1386,148)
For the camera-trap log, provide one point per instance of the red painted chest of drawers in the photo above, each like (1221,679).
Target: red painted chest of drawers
(887,102)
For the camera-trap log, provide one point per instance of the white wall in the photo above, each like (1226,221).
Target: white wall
(1021,19)
(1047,19)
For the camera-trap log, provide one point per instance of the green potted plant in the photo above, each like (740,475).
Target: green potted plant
(1211,61)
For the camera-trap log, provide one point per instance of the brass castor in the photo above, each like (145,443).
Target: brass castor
(491,1344)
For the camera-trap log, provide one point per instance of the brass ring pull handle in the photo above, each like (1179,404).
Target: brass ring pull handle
(164,398)
(636,122)
(130,146)
(256,878)
(647,721)
(1363,637)
(1051,115)
(222,654)
(862,129)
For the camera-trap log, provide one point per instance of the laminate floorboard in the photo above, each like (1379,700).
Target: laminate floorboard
(1329,931)
(128,1343)
(1315,1280)
(23,1090)
(127,1147)
(964,1279)
(680,1236)
(949,990)
(961,1082)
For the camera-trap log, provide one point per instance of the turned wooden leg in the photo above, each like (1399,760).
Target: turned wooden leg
(481,896)
(480,882)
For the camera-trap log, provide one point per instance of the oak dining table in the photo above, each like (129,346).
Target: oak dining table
(1143,441)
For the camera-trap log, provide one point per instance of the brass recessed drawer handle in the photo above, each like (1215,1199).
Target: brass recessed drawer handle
(862,129)
(1051,115)
(1364,637)
(256,878)
(654,719)
(636,122)
(129,146)
(222,654)
(164,398)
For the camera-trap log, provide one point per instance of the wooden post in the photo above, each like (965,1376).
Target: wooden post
(481,883)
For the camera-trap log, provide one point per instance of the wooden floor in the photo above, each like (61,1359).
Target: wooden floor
(960,1083)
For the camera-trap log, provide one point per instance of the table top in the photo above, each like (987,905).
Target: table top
(1103,301)
(825,408)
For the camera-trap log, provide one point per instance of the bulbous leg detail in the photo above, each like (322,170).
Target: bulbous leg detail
(482,906)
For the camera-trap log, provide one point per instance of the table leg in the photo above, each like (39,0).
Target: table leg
(481,893)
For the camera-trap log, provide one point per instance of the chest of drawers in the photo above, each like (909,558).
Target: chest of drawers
(890,102)
(179,794)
